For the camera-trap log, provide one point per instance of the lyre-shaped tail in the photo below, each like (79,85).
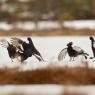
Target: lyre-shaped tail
(4,43)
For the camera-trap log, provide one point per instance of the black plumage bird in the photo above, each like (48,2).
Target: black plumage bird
(19,48)
(92,46)
(26,50)
(72,52)
(10,48)
(34,51)
(12,51)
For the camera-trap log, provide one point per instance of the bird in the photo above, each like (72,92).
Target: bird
(92,46)
(18,48)
(72,52)
(10,48)
(25,49)
(35,52)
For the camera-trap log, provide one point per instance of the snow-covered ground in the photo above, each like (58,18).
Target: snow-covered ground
(46,89)
(49,48)
(75,24)
(80,90)
(31,90)
(80,24)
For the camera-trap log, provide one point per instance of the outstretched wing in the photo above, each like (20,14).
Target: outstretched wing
(4,43)
(16,41)
(78,49)
(62,54)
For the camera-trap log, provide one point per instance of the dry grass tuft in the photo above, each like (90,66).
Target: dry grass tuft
(54,32)
(67,93)
(67,76)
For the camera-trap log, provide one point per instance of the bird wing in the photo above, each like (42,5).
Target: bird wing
(62,54)
(15,41)
(4,43)
(78,49)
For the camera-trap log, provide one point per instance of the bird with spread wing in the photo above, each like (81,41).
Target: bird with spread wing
(72,52)
(22,49)
(10,48)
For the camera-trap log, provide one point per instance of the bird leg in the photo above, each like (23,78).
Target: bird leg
(18,59)
(21,59)
(11,59)
(70,59)
(73,58)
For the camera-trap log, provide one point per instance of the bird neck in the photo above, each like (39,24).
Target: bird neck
(70,47)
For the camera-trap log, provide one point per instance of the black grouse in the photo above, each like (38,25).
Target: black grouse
(74,53)
(26,50)
(12,51)
(92,46)
(10,48)
(34,51)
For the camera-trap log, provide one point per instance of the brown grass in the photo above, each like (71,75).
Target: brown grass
(67,76)
(67,93)
(59,32)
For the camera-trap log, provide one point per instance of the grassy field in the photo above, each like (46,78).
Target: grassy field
(66,76)
(73,93)
(61,32)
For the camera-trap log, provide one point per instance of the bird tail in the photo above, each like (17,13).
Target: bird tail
(62,54)
(4,43)
(85,55)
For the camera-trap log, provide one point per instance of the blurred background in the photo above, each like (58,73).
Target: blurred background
(49,17)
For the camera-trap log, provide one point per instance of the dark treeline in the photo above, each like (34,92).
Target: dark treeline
(14,10)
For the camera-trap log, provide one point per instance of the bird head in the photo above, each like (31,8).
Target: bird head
(91,38)
(28,38)
(70,44)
